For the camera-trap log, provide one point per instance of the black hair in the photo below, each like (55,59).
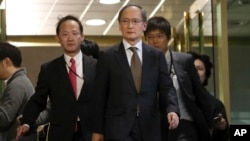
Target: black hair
(207,63)
(159,23)
(9,51)
(90,48)
(143,12)
(66,18)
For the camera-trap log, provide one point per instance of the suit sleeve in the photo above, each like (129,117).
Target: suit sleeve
(221,135)
(38,101)
(43,117)
(201,96)
(167,93)
(11,101)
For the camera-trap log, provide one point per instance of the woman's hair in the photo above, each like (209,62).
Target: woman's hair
(205,59)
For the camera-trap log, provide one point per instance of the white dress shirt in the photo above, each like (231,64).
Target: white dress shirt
(79,71)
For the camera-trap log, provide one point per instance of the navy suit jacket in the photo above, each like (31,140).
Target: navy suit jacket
(53,81)
(116,97)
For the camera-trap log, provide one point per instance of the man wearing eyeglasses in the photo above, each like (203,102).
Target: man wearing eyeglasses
(132,86)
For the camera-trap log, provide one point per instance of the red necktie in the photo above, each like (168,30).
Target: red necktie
(72,77)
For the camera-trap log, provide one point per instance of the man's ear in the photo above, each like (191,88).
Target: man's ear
(7,61)
(57,38)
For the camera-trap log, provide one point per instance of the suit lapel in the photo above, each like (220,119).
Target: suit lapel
(85,64)
(180,72)
(121,57)
(62,70)
(147,62)
(176,64)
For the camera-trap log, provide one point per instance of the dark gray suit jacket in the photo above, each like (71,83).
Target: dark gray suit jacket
(53,81)
(195,97)
(15,96)
(116,98)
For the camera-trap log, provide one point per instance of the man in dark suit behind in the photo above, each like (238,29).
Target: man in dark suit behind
(195,113)
(123,112)
(70,108)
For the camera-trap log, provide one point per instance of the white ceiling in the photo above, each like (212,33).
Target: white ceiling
(39,17)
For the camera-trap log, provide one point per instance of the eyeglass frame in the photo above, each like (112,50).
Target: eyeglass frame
(127,21)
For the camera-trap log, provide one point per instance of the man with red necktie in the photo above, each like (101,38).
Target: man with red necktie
(70,102)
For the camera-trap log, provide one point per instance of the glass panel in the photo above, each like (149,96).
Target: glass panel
(239,49)
(202,38)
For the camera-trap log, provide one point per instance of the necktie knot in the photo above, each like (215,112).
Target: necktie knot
(133,49)
(72,61)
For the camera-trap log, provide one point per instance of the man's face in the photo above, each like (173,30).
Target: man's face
(158,39)
(70,37)
(131,24)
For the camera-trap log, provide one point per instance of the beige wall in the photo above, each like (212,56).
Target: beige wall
(33,57)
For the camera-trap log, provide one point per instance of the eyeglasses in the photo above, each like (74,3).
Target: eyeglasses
(132,21)
(157,36)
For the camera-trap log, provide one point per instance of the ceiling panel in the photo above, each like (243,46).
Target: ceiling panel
(39,17)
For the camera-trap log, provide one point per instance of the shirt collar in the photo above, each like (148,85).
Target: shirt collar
(167,56)
(127,45)
(77,58)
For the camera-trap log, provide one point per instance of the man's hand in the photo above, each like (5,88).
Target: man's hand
(97,137)
(21,130)
(173,120)
(220,123)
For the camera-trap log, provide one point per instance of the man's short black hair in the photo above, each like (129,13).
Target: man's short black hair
(158,23)
(66,18)
(9,51)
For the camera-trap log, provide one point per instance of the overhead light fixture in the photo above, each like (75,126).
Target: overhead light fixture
(2,4)
(95,22)
(109,1)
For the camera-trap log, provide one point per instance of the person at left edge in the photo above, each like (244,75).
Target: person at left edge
(124,112)
(67,110)
(17,91)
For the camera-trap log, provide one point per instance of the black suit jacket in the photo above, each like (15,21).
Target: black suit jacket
(219,108)
(53,81)
(116,98)
(195,97)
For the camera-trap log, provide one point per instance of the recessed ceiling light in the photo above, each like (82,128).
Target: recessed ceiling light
(109,1)
(95,22)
